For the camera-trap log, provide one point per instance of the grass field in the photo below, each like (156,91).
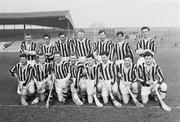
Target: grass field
(11,110)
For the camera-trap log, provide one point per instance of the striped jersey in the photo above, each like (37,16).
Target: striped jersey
(73,67)
(107,71)
(60,70)
(30,47)
(152,73)
(63,47)
(102,46)
(121,49)
(83,47)
(147,43)
(48,50)
(127,74)
(41,71)
(24,73)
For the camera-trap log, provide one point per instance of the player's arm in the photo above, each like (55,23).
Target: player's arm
(129,50)
(113,69)
(140,74)
(160,75)
(13,71)
(79,71)
(139,49)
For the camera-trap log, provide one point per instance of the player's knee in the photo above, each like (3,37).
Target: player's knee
(134,87)
(83,86)
(105,99)
(31,90)
(144,99)
(163,87)
(125,98)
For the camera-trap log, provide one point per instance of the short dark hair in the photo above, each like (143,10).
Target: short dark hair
(62,33)
(120,33)
(147,53)
(57,52)
(145,27)
(102,31)
(81,31)
(90,55)
(128,56)
(23,55)
(46,35)
(104,53)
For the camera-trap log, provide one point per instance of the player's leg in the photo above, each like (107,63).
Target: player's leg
(59,89)
(105,91)
(145,91)
(74,93)
(90,90)
(124,92)
(22,91)
(135,88)
(82,90)
(163,90)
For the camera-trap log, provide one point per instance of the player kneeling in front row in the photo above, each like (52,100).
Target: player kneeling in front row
(126,72)
(23,73)
(73,70)
(61,75)
(107,79)
(88,80)
(151,79)
(42,77)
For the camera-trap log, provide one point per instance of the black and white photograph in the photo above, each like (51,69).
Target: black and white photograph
(89,60)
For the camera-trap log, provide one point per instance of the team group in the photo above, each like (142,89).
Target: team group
(89,71)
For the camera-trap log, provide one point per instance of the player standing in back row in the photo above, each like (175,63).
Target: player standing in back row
(102,45)
(120,49)
(29,47)
(82,46)
(146,43)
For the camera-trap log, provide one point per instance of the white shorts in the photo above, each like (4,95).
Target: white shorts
(43,86)
(105,86)
(73,85)
(25,89)
(61,84)
(123,88)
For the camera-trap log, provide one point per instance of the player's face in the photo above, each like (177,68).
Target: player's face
(127,62)
(104,59)
(73,59)
(47,40)
(42,59)
(90,61)
(28,38)
(148,60)
(62,37)
(57,58)
(120,37)
(81,35)
(23,60)
(145,33)
(102,36)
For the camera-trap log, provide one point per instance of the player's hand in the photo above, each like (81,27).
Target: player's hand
(16,76)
